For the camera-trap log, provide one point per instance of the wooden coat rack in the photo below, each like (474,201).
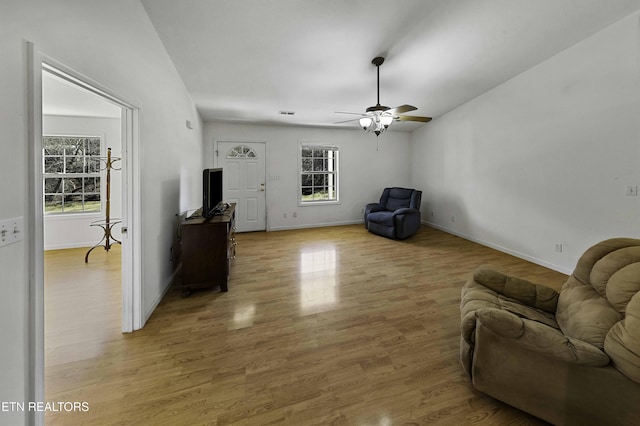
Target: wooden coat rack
(108,222)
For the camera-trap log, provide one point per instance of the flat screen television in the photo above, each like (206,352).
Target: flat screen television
(211,191)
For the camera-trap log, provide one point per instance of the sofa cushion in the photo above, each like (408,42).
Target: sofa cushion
(596,296)
(622,343)
(583,314)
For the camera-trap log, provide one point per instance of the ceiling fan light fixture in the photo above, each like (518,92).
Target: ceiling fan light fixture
(378,118)
(386,121)
(365,123)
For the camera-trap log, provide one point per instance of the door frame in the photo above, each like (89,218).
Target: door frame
(132,313)
(216,163)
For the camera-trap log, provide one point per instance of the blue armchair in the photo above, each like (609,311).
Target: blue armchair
(397,215)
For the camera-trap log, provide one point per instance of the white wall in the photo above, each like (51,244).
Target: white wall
(544,158)
(113,43)
(364,169)
(74,230)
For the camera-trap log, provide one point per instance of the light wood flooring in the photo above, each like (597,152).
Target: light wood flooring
(324,326)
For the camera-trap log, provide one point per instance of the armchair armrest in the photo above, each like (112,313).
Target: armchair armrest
(535,295)
(374,207)
(405,210)
(538,337)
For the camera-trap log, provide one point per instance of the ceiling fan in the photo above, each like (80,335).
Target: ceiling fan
(378,118)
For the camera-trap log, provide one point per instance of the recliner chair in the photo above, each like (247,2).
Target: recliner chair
(397,215)
(570,358)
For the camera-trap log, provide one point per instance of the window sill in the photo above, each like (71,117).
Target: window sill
(73,216)
(317,203)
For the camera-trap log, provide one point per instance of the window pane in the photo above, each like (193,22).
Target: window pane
(92,203)
(90,185)
(74,146)
(72,203)
(320,194)
(52,185)
(53,165)
(74,164)
(92,165)
(319,180)
(53,146)
(72,185)
(93,146)
(318,165)
(306,152)
(318,153)
(306,165)
(307,180)
(53,203)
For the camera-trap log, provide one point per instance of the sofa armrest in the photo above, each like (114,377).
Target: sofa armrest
(535,295)
(538,337)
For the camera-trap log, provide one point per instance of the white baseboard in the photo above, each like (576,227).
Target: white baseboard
(158,299)
(69,246)
(498,247)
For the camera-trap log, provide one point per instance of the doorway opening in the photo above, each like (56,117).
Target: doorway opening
(129,255)
(82,291)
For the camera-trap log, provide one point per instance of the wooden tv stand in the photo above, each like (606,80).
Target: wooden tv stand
(207,248)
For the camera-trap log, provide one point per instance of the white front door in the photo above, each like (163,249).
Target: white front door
(243,176)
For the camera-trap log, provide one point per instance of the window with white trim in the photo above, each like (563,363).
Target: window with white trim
(318,174)
(71,167)
(241,151)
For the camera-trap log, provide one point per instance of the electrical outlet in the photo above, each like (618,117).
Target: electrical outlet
(11,231)
(295,214)
(558,247)
(632,191)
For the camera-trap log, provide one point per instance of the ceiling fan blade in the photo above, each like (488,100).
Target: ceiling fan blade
(346,121)
(401,109)
(413,118)
(352,113)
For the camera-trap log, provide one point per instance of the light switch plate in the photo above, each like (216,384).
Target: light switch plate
(632,191)
(11,231)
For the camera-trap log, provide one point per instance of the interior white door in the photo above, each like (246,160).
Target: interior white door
(243,176)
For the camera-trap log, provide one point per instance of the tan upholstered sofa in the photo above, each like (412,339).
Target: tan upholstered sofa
(569,358)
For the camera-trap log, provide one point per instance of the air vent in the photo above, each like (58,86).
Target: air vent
(287,112)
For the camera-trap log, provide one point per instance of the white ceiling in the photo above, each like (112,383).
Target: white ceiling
(245,60)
